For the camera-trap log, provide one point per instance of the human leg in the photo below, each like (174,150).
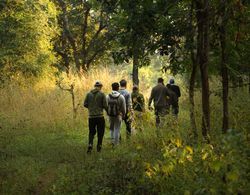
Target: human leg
(100,132)
(175,110)
(117,126)
(92,132)
(112,136)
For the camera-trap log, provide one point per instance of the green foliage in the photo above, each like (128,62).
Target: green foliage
(26,30)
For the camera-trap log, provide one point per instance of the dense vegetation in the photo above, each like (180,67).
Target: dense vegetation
(52,52)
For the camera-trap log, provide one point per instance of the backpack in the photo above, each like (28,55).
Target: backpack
(113,107)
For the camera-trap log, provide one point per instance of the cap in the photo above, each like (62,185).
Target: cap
(98,84)
(171,81)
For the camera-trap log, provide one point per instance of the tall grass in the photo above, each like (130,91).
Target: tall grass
(43,150)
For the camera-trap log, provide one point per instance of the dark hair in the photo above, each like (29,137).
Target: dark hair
(123,83)
(168,86)
(135,88)
(115,86)
(160,80)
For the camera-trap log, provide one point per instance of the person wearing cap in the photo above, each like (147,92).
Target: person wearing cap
(176,90)
(159,95)
(138,101)
(138,105)
(96,102)
(127,118)
(116,111)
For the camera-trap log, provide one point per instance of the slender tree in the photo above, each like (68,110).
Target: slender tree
(224,70)
(191,36)
(202,17)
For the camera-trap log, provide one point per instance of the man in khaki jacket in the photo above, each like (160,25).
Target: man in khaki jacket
(96,102)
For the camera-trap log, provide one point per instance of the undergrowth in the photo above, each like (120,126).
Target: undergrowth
(43,150)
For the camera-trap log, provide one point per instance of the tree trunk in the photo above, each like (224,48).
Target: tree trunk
(224,69)
(135,66)
(249,82)
(202,59)
(84,35)
(192,76)
(69,34)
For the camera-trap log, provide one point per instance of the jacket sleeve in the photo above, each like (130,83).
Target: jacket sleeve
(85,103)
(168,92)
(178,92)
(105,102)
(123,105)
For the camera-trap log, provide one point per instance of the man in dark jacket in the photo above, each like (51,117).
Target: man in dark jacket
(159,96)
(176,90)
(96,102)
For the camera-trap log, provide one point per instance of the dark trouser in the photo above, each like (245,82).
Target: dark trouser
(160,112)
(128,124)
(175,109)
(99,125)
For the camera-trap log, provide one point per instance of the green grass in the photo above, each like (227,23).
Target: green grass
(42,151)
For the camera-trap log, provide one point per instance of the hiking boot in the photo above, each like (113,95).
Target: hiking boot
(99,148)
(89,150)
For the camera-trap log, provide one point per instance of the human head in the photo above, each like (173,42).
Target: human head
(168,86)
(171,81)
(98,85)
(135,88)
(115,86)
(160,80)
(123,83)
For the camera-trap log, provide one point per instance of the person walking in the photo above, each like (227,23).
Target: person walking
(159,95)
(127,118)
(116,111)
(172,100)
(96,102)
(138,105)
(138,101)
(176,90)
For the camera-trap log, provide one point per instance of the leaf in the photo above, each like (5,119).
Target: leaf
(216,166)
(189,149)
(178,143)
(233,175)
(204,156)
(187,192)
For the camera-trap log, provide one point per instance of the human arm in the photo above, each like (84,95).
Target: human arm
(85,103)
(122,105)
(105,103)
(178,91)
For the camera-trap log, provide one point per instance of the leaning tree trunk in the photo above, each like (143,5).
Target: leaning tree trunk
(193,75)
(224,69)
(135,66)
(202,12)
